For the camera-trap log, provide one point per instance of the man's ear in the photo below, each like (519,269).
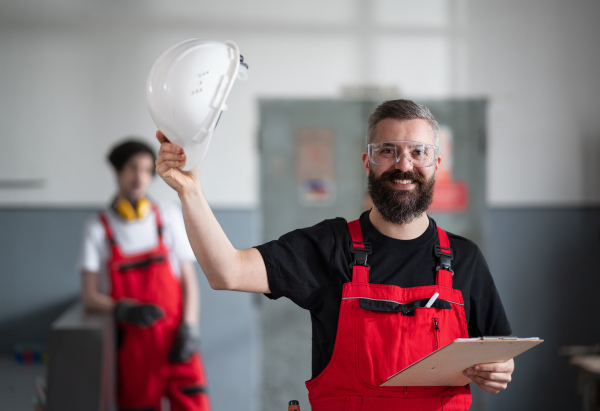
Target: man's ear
(366,163)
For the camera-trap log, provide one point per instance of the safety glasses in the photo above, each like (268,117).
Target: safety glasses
(390,152)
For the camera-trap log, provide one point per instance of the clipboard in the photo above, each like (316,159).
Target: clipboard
(445,366)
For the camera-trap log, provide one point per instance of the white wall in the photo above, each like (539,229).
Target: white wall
(538,61)
(72,76)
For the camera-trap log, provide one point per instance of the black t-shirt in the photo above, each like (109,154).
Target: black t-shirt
(310,266)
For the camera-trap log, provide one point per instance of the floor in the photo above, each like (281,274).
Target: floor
(18,384)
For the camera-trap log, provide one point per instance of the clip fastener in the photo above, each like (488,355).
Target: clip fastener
(360,253)
(446,256)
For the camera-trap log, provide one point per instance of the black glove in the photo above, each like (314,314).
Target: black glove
(186,342)
(143,315)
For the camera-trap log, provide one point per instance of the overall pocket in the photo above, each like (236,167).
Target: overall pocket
(389,341)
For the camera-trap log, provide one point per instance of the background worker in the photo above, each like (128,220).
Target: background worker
(366,283)
(137,264)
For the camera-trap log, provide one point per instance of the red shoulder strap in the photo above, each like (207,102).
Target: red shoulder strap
(107,229)
(159,225)
(360,269)
(444,253)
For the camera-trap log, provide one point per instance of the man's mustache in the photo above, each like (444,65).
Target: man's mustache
(402,175)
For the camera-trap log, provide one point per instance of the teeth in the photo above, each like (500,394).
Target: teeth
(402,181)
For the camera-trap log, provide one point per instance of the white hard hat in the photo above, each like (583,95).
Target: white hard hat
(186,92)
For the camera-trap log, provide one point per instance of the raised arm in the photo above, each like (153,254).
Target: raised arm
(225,267)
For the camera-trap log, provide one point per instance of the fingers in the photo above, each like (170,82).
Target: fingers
(169,148)
(502,377)
(161,137)
(157,312)
(491,377)
(152,313)
(169,163)
(491,386)
(169,155)
(166,146)
(507,366)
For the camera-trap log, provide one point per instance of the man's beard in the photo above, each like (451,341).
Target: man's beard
(400,206)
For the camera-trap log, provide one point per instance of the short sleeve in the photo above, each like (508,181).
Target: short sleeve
(93,253)
(299,264)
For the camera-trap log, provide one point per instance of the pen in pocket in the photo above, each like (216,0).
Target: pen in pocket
(432,300)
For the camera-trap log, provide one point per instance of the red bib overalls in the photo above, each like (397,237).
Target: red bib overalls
(145,374)
(381,330)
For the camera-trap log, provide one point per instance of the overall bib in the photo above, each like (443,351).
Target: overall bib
(383,329)
(145,373)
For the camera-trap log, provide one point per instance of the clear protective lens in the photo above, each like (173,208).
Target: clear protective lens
(391,152)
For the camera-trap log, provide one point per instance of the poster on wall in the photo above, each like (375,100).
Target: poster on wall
(315,166)
(449,195)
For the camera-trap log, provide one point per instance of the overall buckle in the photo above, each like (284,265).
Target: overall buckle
(446,256)
(360,253)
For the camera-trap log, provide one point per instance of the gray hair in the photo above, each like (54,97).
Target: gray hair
(402,110)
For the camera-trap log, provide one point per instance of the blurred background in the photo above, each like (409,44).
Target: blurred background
(514,84)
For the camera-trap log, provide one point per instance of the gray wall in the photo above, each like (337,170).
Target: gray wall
(544,262)
(38,250)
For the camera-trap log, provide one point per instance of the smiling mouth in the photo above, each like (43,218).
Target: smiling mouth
(396,181)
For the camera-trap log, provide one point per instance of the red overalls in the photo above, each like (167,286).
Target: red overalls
(145,374)
(381,330)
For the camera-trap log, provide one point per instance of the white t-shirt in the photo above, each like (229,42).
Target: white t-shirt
(133,237)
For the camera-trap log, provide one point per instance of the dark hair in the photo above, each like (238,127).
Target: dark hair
(401,110)
(120,154)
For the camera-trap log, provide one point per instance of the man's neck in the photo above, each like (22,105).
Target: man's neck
(408,231)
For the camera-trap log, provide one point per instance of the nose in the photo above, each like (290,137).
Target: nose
(140,174)
(404,162)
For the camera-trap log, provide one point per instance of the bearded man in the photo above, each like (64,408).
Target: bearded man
(367,283)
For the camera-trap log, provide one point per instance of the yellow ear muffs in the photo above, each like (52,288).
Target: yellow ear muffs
(125,209)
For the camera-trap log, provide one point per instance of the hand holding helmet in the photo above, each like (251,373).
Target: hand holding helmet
(186,92)
(171,158)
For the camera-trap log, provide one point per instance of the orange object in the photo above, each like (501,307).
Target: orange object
(294,406)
